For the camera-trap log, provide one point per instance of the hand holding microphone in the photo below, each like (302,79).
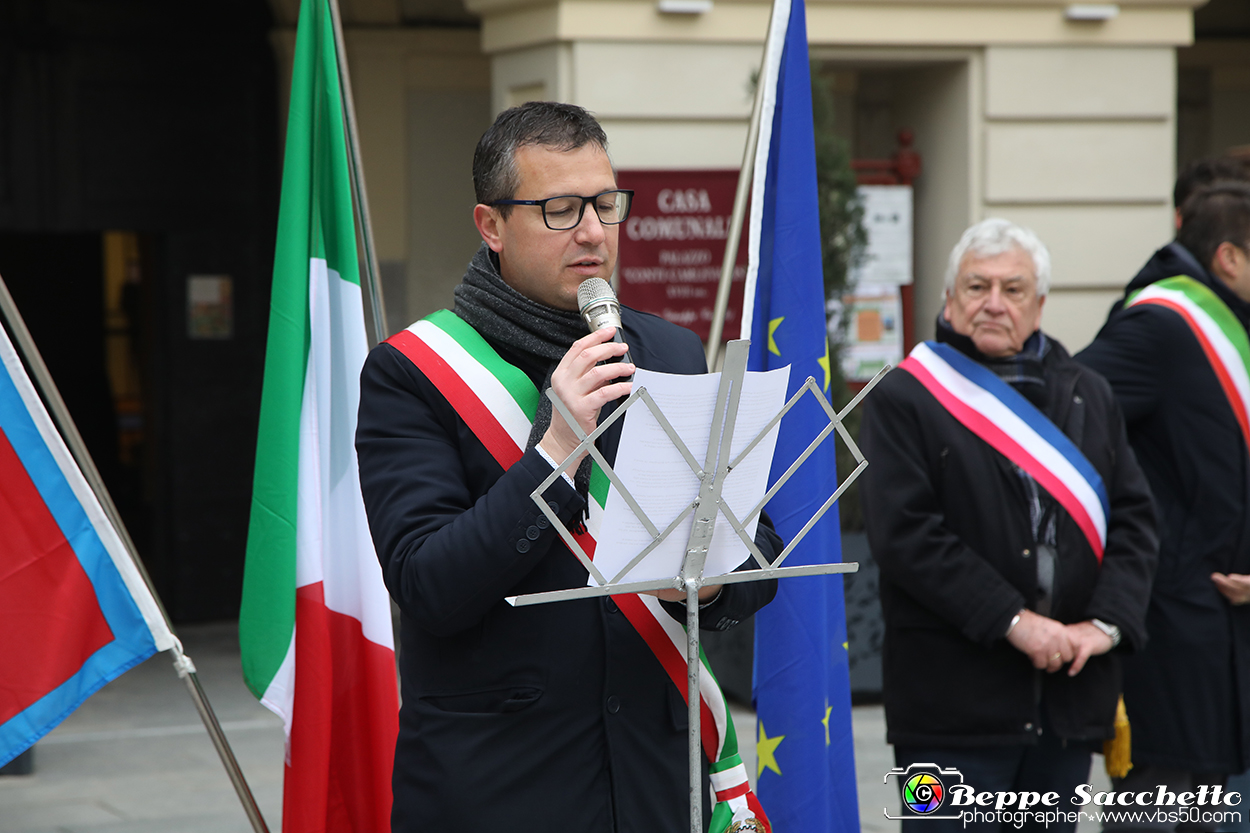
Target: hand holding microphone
(592,373)
(599,308)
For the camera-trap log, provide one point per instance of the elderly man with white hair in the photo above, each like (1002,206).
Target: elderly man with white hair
(1014,533)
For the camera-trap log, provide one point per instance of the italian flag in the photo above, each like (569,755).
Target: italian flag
(315,623)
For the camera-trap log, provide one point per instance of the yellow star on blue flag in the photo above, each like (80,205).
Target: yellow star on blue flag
(766,752)
(772,332)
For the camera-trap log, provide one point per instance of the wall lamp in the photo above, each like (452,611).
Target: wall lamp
(684,6)
(1092,12)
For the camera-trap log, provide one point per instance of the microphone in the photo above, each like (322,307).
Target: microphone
(599,308)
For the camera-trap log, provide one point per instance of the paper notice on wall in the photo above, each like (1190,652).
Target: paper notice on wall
(210,307)
(874,331)
(888,223)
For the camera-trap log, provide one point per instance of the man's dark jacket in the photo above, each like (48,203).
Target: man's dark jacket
(949,524)
(546,717)
(1188,694)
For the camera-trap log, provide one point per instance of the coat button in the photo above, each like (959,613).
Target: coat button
(532,533)
(610,605)
(555,507)
(614,704)
(1026,552)
(523,545)
(1028,727)
(541,522)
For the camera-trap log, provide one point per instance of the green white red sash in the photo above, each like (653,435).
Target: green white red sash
(1218,331)
(498,402)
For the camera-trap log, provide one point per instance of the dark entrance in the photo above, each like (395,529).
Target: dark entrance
(138,198)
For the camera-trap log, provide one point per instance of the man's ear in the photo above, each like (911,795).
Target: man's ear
(489,225)
(1224,263)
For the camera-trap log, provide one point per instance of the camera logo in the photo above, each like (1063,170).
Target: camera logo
(923,788)
(922,793)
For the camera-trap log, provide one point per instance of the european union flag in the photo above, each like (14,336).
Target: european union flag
(806,765)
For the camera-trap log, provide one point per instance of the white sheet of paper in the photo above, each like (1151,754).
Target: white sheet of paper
(660,480)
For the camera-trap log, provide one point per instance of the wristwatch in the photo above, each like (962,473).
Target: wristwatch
(1110,630)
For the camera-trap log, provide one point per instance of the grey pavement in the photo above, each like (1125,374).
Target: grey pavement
(136,759)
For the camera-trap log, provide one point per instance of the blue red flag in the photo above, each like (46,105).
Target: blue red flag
(74,611)
(805,750)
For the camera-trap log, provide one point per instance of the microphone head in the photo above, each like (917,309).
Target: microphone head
(598,305)
(594,289)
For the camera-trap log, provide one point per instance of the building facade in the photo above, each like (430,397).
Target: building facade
(140,149)
(1068,118)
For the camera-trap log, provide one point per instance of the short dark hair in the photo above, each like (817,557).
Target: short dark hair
(549,124)
(1219,213)
(1203,172)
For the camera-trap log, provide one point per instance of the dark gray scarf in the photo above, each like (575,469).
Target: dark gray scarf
(501,314)
(1022,371)
(532,336)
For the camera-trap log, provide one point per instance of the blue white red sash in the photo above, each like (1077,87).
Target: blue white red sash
(994,411)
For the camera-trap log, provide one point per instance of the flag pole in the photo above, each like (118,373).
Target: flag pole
(745,176)
(73,440)
(372,284)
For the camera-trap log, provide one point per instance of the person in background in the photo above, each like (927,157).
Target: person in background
(1174,351)
(1203,172)
(1009,588)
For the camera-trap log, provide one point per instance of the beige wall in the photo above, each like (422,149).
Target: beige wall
(532,74)
(942,105)
(422,100)
(515,24)
(1064,126)
(1080,146)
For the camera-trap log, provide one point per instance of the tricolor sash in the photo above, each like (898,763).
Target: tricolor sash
(1218,331)
(498,403)
(995,412)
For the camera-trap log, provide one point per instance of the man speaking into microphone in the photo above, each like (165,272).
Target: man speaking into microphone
(557,716)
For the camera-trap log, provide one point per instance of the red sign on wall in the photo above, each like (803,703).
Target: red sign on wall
(673,244)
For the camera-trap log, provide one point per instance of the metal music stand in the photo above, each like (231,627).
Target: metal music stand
(705,508)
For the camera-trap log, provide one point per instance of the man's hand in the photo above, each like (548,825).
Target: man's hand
(1234,586)
(1045,641)
(1088,640)
(585,386)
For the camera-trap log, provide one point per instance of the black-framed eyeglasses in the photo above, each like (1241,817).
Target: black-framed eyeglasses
(565,212)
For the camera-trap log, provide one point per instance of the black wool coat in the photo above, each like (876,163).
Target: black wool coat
(553,717)
(1188,694)
(949,524)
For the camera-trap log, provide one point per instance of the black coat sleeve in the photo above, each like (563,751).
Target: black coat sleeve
(906,521)
(1130,352)
(448,552)
(1122,592)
